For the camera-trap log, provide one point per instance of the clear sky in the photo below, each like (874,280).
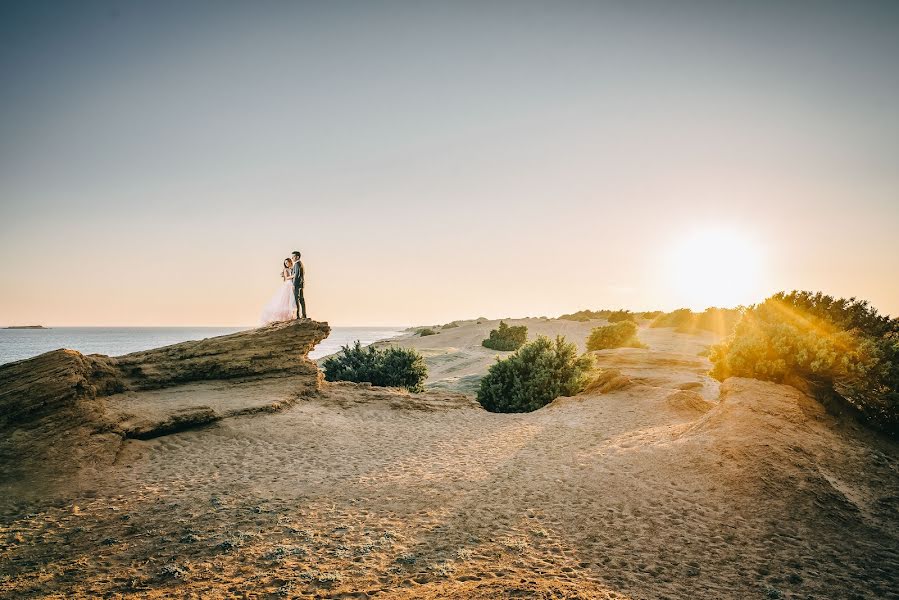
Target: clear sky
(447,160)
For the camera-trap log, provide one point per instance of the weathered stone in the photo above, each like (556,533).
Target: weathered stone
(178,420)
(278,349)
(54,407)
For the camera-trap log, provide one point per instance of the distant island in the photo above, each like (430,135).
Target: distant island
(26,327)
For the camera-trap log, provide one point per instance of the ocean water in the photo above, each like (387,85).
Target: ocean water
(17,344)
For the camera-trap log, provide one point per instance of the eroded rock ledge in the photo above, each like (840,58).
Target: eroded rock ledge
(59,408)
(276,350)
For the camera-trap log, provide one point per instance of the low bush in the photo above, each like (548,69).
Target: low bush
(717,320)
(612,316)
(618,316)
(651,314)
(393,367)
(534,376)
(450,325)
(506,338)
(841,348)
(675,318)
(586,315)
(426,331)
(617,335)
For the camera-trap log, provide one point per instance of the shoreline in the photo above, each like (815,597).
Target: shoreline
(22,344)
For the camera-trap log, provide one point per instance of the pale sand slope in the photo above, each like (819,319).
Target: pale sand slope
(456,359)
(643,492)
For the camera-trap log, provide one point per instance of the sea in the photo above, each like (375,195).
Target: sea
(18,344)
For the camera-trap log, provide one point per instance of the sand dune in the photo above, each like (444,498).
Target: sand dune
(456,360)
(660,489)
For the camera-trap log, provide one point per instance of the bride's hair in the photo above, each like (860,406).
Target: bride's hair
(288,263)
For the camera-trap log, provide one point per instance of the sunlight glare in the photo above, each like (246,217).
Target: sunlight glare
(715,267)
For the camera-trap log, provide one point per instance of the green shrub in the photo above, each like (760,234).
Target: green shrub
(535,375)
(450,325)
(652,314)
(586,315)
(613,316)
(617,316)
(426,331)
(393,367)
(506,338)
(616,335)
(717,320)
(841,348)
(675,318)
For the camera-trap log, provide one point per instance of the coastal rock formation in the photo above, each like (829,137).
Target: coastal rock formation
(279,349)
(50,412)
(62,408)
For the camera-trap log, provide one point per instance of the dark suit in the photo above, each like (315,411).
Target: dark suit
(299,275)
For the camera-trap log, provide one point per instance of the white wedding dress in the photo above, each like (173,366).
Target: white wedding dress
(282,306)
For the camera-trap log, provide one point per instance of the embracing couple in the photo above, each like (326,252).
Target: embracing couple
(288,300)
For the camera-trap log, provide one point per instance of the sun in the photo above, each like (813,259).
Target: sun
(714,267)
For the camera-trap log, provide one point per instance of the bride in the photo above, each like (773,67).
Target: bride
(283,305)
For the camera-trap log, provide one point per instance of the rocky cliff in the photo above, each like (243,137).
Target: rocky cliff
(63,408)
(279,349)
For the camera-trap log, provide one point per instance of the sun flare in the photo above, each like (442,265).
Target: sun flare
(715,267)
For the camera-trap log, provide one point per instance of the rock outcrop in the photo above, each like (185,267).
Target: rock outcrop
(279,349)
(59,409)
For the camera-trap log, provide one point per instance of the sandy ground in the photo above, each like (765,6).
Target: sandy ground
(362,492)
(457,361)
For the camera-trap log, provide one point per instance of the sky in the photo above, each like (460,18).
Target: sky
(442,160)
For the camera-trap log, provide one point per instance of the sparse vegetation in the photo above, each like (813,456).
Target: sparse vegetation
(450,325)
(535,375)
(426,331)
(586,315)
(392,366)
(443,568)
(651,314)
(612,316)
(841,348)
(506,338)
(716,320)
(172,571)
(515,544)
(464,554)
(618,316)
(617,335)
(675,318)
(321,577)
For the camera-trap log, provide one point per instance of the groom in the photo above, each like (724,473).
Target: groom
(298,274)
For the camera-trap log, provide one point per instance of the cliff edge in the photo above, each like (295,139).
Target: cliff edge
(63,410)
